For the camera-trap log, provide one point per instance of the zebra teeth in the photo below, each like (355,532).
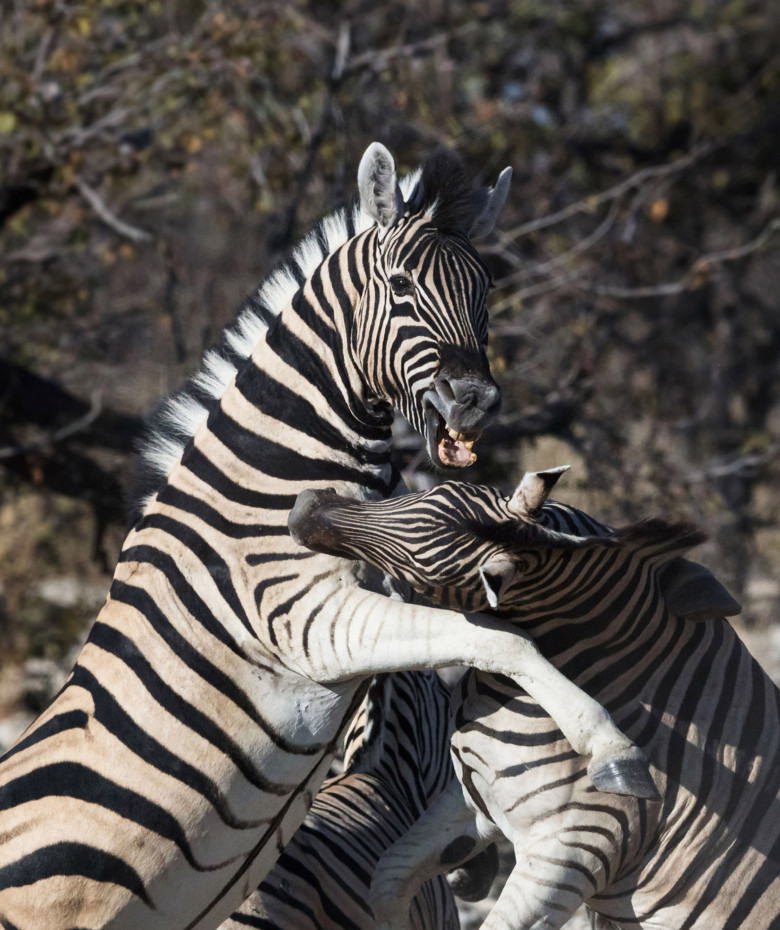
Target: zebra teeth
(468,438)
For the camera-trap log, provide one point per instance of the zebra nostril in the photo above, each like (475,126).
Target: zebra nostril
(445,391)
(491,400)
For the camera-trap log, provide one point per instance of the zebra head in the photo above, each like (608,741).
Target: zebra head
(420,329)
(470,547)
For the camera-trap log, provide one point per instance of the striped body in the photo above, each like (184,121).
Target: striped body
(597,602)
(203,713)
(397,762)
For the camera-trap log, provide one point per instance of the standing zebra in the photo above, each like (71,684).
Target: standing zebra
(638,627)
(203,712)
(397,761)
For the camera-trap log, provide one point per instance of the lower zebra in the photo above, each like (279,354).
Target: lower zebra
(615,611)
(396,763)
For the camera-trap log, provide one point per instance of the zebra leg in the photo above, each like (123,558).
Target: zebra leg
(360,633)
(448,834)
(542,891)
(597,922)
(616,766)
(472,880)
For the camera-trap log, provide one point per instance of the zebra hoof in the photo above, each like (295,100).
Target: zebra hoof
(625,776)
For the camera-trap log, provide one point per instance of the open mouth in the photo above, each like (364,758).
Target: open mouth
(450,448)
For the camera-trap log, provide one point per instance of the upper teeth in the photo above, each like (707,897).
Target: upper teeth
(459,437)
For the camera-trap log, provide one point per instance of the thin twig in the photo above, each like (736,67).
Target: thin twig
(743,465)
(690,279)
(590,203)
(543,267)
(70,429)
(534,290)
(377,59)
(110,219)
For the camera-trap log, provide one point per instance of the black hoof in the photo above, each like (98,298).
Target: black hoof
(627,776)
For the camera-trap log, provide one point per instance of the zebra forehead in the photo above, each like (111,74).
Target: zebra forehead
(417,240)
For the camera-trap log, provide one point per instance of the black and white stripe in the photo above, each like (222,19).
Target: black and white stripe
(201,718)
(397,762)
(638,627)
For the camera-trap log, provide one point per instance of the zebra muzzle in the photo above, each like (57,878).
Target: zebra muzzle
(458,406)
(309,522)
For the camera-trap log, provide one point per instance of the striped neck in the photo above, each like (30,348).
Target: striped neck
(297,411)
(619,615)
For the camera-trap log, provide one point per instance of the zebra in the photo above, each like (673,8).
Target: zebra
(396,762)
(203,712)
(640,628)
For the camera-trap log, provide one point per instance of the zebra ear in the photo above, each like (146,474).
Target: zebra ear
(494,199)
(496,576)
(380,195)
(533,491)
(692,592)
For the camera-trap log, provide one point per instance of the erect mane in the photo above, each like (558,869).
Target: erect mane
(446,193)
(177,418)
(668,536)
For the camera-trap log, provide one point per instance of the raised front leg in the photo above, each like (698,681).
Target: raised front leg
(446,835)
(358,633)
(616,765)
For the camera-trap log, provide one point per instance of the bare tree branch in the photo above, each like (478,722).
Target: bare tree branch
(110,219)
(743,466)
(50,439)
(592,202)
(692,276)
(541,268)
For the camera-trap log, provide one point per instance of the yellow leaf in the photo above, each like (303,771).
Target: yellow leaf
(7,123)
(84,26)
(659,210)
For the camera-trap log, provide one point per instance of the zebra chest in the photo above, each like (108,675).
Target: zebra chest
(305,714)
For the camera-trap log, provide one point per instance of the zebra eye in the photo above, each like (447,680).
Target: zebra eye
(401,285)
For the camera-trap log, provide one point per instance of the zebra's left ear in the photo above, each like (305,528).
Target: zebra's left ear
(380,195)
(493,200)
(533,491)
(496,576)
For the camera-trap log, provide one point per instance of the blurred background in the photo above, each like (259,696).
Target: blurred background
(158,158)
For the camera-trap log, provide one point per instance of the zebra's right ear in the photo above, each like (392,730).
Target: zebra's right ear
(380,195)
(494,199)
(496,576)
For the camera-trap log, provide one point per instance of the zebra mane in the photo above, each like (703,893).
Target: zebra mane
(668,536)
(446,191)
(178,417)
